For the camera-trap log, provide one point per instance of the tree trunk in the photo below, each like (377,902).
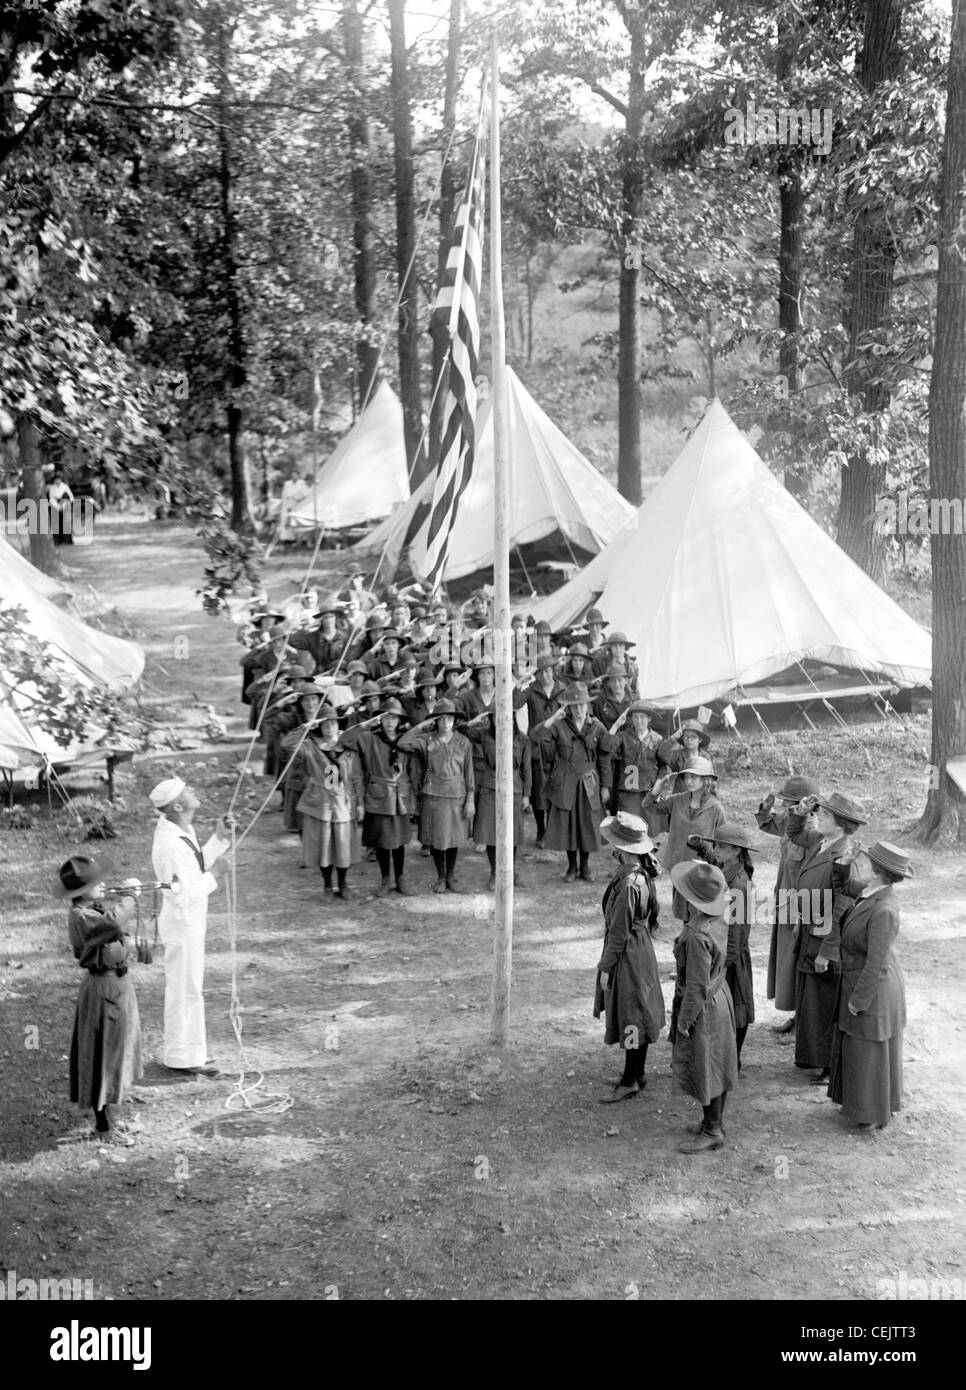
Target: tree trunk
(447,206)
(33,490)
(629,329)
(410,389)
(241,512)
(874,254)
(791,201)
(367,349)
(945,812)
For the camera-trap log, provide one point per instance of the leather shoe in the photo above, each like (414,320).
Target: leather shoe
(439,886)
(452,886)
(491,883)
(570,876)
(384,888)
(620,1093)
(699,1129)
(538,844)
(402,889)
(705,1142)
(344,893)
(820,1080)
(587,876)
(787,1027)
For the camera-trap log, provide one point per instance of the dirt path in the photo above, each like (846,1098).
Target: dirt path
(412,1165)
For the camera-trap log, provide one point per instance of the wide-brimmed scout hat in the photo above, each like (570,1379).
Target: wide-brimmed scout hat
(693,726)
(545,660)
(389,633)
(701,767)
(576,694)
(329,603)
(888,856)
(728,833)
(444,707)
(627,832)
(326,712)
(263,613)
(615,673)
(639,707)
(79,873)
(845,808)
(369,688)
(579,649)
(703,886)
(543,626)
(618,636)
(376,619)
(391,706)
(355,667)
(427,676)
(797,787)
(595,616)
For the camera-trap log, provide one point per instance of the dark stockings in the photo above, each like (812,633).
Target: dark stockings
(439,859)
(571,861)
(382,859)
(634,1059)
(739,1039)
(541,819)
(714,1113)
(398,861)
(102,1121)
(342,874)
(491,855)
(451,863)
(327,875)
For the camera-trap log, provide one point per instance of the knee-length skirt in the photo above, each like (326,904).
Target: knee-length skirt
(484,823)
(385,832)
(442,824)
(328,843)
(576,829)
(866,1077)
(105,1050)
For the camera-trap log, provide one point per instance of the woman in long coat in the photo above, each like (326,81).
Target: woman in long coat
(447,792)
(866,1068)
(294,781)
(632,745)
(732,850)
(331,804)
(628,988)
(542,697)
(694,812)
(105,1050)
(704,1063)
(773,820)
(817,913)
(388,798)
(481,732)
(579,770)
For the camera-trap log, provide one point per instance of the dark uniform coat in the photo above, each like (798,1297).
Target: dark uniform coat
(741,914)
(866,1066)
(633,772)
(580,765)
(447,781)
(483,739)
(704,1063)
(685,820)
(325,651)
(105,1050)
(388,796)
(633,1000)
(781,980)
(540,705)
(817,919)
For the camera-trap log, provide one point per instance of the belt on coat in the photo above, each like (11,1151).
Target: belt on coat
(106,969)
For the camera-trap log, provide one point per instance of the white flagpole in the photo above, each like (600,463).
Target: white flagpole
(503,912)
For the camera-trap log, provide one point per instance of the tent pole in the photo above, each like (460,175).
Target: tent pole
(503,912)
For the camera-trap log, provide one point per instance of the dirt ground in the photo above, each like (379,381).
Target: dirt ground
(415,1162)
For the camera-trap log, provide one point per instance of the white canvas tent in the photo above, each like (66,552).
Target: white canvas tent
(365,476)
(555,491)
(725,580)
(93,657)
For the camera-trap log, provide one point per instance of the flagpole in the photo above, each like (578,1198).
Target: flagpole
(503,912)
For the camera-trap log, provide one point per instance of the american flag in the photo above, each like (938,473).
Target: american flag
(456,314)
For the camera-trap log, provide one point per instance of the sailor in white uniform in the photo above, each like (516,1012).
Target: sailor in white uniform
(178,859)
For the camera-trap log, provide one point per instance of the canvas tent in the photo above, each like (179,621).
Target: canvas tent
(91,656)
(725,580)
(557,496)
(365,476)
